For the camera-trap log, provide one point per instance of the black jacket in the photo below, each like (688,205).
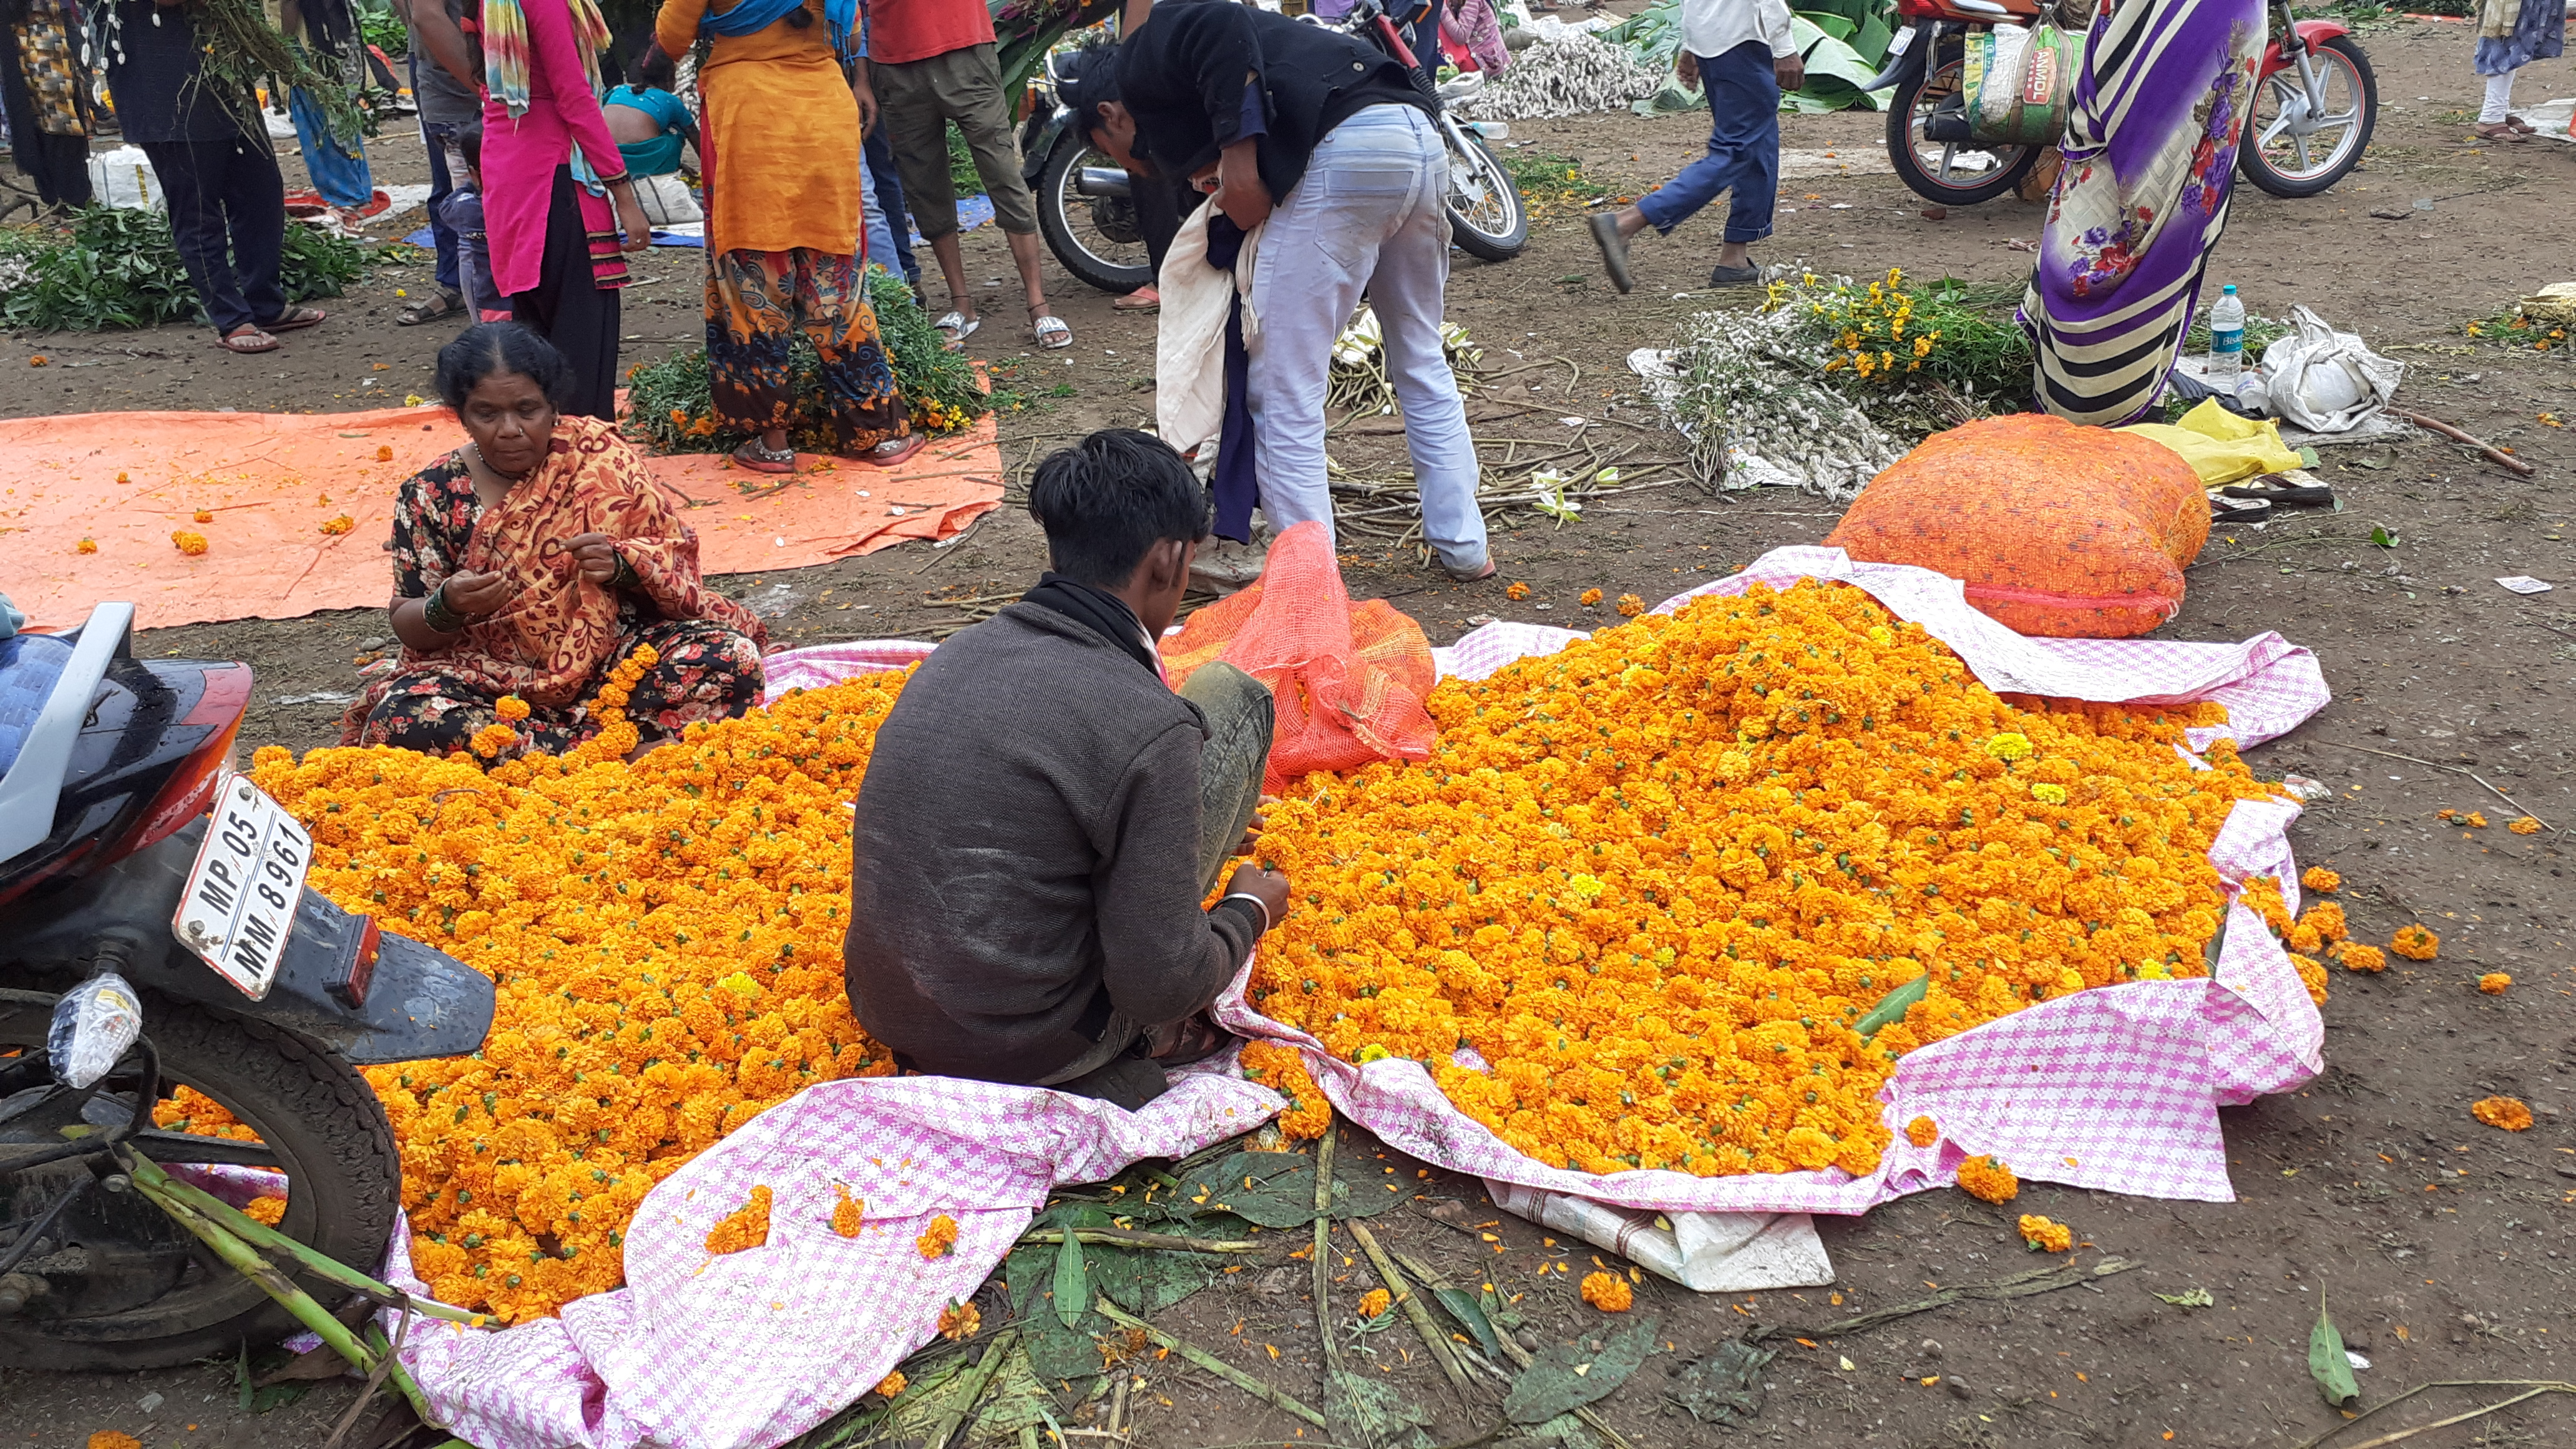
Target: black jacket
(1182,76)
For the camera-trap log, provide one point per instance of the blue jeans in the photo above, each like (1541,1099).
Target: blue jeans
(437,137)
(1366,217)
(885,192)
(339,173)
(1743,148)
(878,248)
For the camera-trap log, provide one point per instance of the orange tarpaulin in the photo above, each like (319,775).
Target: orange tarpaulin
(126,481)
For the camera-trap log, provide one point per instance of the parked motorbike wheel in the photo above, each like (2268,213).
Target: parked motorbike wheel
(1486,217)
(1942,172)
(1095,237)
(2289,156)
(312,1110)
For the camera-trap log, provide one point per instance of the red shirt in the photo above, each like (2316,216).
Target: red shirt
(901,30)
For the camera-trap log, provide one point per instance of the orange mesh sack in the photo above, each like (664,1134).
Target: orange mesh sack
(2057,530)
(1349,678)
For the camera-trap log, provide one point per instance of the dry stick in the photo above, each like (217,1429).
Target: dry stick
(1551,412)
(2537,1387)
(375,1381)
(1512,1350)
(1414,1312)
(2430,765)
(1211,1363)
(959,1414)
(2436,425)
(1123,1238)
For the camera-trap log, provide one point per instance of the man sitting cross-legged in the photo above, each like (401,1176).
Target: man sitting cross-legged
(1043,814)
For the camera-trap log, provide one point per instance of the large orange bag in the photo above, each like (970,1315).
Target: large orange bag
(2057,530)
(1349,678)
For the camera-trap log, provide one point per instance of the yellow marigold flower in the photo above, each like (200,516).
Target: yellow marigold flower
(2048,794)
(1517,592)
(2415,943)
(2527,825)
(1588,887)
(2318,878)
(1922,346)
(334,527)
(511,708)
(1608,1292)
(1590,597)
(2045,1236)
(1922,1131)
(191,544)
(2504,1112)
(960,1321)
(1375,1302)
(892,1384)
(2009,746)
(1631,606)
(939,1239)
(86,545)
(2494,983)
(266,1211)
(2358,957)
(205,515)
(745,1227)
(849,1213)
(1988,1178)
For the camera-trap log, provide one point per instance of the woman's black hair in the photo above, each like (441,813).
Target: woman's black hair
(1107,499)
(654,69)
(493,347)
(1084,79)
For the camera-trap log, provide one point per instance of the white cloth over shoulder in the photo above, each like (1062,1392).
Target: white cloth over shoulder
(1189,342)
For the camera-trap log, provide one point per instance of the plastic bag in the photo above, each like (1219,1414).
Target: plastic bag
(2221,447)
(93,1025)
(667,201)
(1704,1252)
(124,177)
(2019,83)
(2327,381)
(1349,678)
(2056,530)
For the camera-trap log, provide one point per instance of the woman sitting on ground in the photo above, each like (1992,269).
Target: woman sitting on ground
(648,121)
(531,562)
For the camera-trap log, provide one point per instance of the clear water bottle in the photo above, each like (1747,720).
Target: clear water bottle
(2226,341)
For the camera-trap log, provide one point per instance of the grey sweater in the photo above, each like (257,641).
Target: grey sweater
(1024,856)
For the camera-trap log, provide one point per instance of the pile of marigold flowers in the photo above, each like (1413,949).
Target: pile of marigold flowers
(1633,909)
(666,942)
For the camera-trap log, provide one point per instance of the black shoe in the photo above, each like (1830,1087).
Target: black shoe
(1734,276)
(1614,248)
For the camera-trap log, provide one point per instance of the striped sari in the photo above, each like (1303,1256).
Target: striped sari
(2150,153)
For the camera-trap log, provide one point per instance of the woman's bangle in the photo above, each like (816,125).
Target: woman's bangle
(440,615)
(1257,904)
(625,577)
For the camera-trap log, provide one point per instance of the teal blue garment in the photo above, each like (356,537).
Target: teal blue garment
(661,155)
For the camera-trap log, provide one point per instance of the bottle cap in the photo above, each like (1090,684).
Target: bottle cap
(2229,289)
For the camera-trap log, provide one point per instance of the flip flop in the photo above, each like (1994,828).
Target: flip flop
(757,456)
(957,327)
(1143,299)
(245,339)
(1614,248)
(878,457)
(296,319)
(430,309)
(1052,332)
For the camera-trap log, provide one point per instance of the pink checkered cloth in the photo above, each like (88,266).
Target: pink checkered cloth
(2115,1088)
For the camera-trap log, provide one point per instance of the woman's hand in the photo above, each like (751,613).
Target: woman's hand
(1686,68)
(1252,831)
(630,215)
(475,595)
(595,555)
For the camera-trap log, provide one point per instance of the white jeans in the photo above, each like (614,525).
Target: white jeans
(1366,217)
(2499,99)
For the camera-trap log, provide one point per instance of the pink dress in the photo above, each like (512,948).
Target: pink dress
(1470,25)
(520,156)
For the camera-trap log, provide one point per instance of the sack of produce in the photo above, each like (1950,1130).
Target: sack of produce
(1349,678)
(2018,83)
(2057,530)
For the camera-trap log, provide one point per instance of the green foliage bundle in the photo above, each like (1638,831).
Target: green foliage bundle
(116,267)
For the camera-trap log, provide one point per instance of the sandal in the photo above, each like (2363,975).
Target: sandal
(1143,299)
(246,338)
(957,327)
(1052,331)
(296,319)
(759,457)
(893,452)
(2519,124)
(430,309)
(2498,131)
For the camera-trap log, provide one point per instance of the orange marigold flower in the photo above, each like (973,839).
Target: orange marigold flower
(2527,825)
(2326,920)
(2358,957)
(1922,1131)
(1374,1302)
(2045,1236)
(2494,983)
(334,527)
(2415,943)
(939,1239)
(1608,1292)
(745,1227)
(107,1438)
(86,545)
(205,515)
(1590,597)
(492,739)
(1988,1178)
(266,1211)
(2318,878)
(848,1213)
(191,544)
(2476,819)
(1631,606)
(511,708)
(1517,592)
(1283,1069)
(2503,1112)
(384,452)
(892,1384)
(960,1321)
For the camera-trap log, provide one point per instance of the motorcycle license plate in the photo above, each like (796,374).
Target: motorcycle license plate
(1897,43)
(242,892)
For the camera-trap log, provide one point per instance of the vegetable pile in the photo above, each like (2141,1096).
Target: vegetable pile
(1565,72)
(113,267)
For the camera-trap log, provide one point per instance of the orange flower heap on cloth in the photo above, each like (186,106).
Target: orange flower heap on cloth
(2503,1112)
(939,1239)
(849,1214)
(2045,1236)
(1655,882)
(1282,1070)
(1989,1179)
(1608,1292)
(745,1227)
(2415,943)
(606,901)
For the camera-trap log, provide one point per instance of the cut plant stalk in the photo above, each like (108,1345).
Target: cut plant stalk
(1211,1363)
(1414,1313)
(1125,1238)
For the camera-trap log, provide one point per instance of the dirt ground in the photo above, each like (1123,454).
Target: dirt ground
(2447,1250)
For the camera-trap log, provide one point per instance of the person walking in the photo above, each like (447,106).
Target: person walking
(45,89)
(780,143)
(2511,35)
(1741,53)
(220,180)
(931,62)
(446,68)
(1323,144)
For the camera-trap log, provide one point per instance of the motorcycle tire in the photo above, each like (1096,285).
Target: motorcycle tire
(1503,236)
(2342,53)
(345,1177)
(1909,162)
(1086,265)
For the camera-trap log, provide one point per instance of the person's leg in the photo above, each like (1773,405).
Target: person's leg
(750,375)
(889,203)
(2499,100)
(197,226)
(1241,716)
(577,317)
(869,418)
(1314,259)
(878,239)
(973,94)
(255,215)
(702,672)
(431,713)
(60,165)
(339,171)
(1737,120)
(442,185)
(1743,81)
(909,112)
(1407,292)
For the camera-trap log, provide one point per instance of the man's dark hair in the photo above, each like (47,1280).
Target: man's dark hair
(1110,497)
(493,347)
(1084,79)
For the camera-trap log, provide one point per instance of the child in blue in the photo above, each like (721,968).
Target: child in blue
(461,211)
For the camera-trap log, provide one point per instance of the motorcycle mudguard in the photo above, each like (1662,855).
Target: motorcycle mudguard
(1909,65)
(2312,33)
(1038,147)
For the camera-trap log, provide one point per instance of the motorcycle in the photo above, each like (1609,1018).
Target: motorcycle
(2315,105)
(143,881)
(1087,212)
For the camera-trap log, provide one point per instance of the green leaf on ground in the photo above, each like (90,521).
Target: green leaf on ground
(1145,1282)
(2190,1298)
(1072,1282)
(1566,1376)
(1462,1306)
(2383,538)
(1725,1387)
(2328,1364)
(1275,1190)
(1370,1409)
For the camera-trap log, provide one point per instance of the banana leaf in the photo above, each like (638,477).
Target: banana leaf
(1844,42)
(1027,29)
